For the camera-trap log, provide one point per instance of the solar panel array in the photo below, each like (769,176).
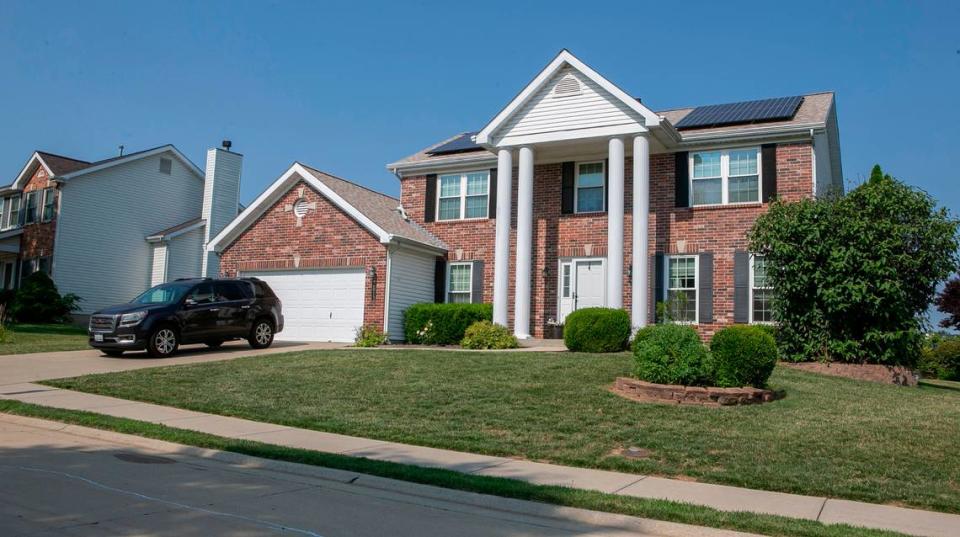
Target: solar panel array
(739,113)
(461,144)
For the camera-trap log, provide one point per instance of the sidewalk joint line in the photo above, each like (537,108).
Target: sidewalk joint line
(629,484)
(494,465)
(822,506)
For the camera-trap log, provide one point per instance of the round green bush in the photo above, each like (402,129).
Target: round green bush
(743,356)
(942,359)
(672,354)
(486,335)
(597,330)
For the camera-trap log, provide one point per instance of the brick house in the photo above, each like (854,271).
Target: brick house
(535,212)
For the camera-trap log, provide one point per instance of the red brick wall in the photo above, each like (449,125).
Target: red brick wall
(37,239)
(327,238)
(720,230)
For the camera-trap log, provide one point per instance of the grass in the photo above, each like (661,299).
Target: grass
(26,338)
(830,437)
(640,507)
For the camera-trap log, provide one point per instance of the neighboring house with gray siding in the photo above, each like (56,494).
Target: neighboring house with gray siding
(110,229)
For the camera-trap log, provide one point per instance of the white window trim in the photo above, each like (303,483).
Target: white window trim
(696,284)
(446,287)
(45,193)
(576,186)
(752,289)
(725,176)
(463,197)
(8,213)
(25,203)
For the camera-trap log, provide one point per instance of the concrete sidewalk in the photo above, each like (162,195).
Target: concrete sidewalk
(830,511)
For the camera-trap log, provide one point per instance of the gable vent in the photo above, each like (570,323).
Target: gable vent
(568,86)
(166,166)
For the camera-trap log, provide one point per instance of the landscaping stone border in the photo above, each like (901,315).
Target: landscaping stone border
(692,395)
(887,374)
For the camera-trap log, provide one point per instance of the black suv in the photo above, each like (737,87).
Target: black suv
(201,310)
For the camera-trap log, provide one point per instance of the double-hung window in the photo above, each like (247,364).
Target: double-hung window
(761,291)
(682,288)
(463,195)
(589,192)
(12,217)
(49,204)
(727,176)
(460,283)
(30,207)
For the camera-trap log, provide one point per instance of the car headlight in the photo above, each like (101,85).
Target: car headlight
(132,319)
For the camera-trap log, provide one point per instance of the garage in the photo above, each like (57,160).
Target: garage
(318,304)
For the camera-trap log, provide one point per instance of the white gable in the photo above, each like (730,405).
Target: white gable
(568,101)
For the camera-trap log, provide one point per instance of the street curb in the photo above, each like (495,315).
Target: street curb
(429,492)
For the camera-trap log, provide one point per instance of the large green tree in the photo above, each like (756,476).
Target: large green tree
(855,274)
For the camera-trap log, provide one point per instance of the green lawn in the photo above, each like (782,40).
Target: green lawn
(24,338)
(830,436)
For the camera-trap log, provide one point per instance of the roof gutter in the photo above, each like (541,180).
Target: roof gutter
(797,130)
(400,169)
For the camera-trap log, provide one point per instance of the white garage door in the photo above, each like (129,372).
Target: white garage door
(318,305)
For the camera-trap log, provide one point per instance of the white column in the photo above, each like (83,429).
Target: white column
(615,225)
(521,308)
(501,258)
(641,224)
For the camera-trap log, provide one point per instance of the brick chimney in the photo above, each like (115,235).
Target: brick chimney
(221,200)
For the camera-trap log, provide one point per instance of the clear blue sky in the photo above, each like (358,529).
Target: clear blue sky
(349,88)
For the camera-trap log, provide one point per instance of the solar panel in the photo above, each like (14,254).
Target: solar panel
(460,144)
(740,113)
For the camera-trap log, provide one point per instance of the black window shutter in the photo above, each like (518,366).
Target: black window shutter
(682,179)
(768,154)
(706,288)
(477,290)
(566,192)
(659,285)
(492,194)
(606,184)
(440,281)
(430,201)
(741,287)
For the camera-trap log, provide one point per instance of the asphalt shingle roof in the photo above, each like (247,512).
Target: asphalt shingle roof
(379,208)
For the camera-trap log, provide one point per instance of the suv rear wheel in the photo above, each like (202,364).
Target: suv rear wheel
(261,334)
(163,342)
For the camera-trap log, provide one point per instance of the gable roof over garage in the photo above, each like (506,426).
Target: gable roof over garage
(376,212)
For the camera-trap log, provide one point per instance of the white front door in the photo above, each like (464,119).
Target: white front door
(582,285)
(318,304)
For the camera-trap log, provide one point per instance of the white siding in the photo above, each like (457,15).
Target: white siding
(592,107)
(184,255)
(158,271)
(411,282)
(221,196)
(101,253)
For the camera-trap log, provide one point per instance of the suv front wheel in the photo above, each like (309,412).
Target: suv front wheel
(163,342)
(261,334)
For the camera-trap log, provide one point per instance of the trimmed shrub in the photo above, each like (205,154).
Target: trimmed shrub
(941,358)
(369,336)
(486,335)
(38,301)
(641,335)
(442,324)
(672,354)
(597,330)
(742,355)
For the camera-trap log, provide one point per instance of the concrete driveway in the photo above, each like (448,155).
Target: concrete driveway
(16,368)
(62,480)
